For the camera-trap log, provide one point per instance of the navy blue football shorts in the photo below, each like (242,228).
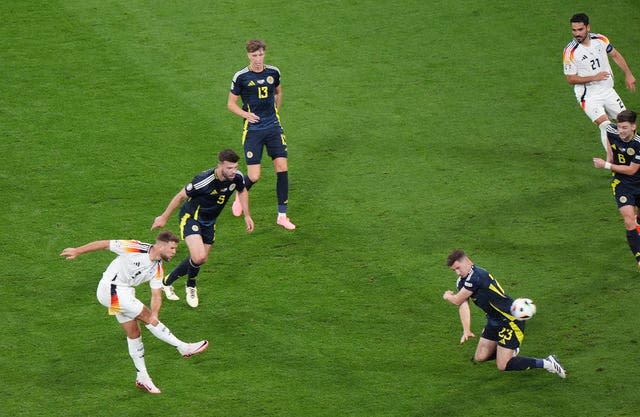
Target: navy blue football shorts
(625,194)
(188,226)
(508,334)
(254,141)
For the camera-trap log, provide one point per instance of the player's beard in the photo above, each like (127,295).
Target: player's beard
(582,38)
(631,136)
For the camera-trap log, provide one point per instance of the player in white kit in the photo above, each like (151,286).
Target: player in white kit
(586,66)
(136,264)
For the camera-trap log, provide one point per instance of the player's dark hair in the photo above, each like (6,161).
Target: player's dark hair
(580,18)
(228,155)
(167,237)
(627,116)
(256,44)
(455,256)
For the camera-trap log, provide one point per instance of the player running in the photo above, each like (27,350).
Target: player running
(206,195)
(624,143)
(586,67)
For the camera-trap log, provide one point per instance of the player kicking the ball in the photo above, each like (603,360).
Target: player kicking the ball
(503,334)
(136,264)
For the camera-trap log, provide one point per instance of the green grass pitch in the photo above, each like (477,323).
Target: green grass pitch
(414,128)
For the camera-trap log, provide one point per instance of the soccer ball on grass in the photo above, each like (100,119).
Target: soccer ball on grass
(523,309)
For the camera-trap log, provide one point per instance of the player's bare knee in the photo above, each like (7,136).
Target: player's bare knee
(280,165)
(630,221)
(199,259)
(502,361)
(133,332)
(479,359)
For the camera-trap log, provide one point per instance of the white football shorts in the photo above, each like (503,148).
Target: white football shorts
(121,301)
(607,102)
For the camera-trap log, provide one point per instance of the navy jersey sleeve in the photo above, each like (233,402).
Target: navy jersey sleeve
(236,85)
(276,81)
(478,279)
(239,182)
(194,188)
(469,283)
(636,146)
(459,283)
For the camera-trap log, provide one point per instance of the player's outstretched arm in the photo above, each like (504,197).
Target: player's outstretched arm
(72,253)
(175,202)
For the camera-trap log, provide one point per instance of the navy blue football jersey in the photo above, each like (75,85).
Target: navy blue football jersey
(257,91)
(487,293)
(624,153)
(207,196)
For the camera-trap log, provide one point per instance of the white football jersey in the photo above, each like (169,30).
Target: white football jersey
(585,61)
(133,266)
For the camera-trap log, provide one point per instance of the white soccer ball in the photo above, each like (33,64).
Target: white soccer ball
(523,309)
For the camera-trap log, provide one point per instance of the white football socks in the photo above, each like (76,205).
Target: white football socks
(136,351)
(603,135)
(163,333)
